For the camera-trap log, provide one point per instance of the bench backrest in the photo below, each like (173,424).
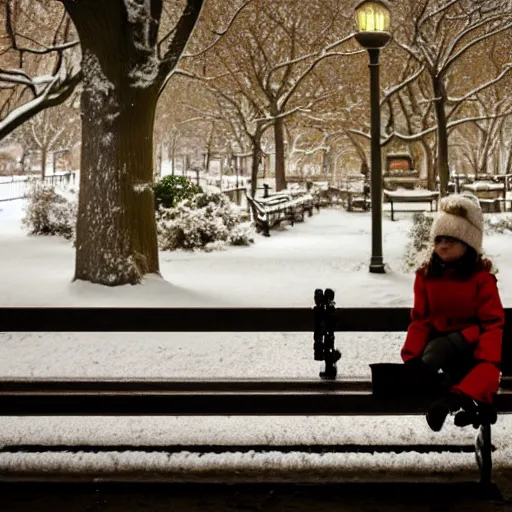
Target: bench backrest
(214,320)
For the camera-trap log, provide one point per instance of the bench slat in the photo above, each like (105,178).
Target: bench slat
(201,403)
(162,385)
(200,319)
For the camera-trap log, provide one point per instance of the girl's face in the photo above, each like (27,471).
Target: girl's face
(449,248)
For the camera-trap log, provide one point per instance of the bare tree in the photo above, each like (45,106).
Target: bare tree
(126,63)
(441,33)
(37,72)
(52,131)
(271,59)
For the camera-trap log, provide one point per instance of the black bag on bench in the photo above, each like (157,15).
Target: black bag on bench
(398,380)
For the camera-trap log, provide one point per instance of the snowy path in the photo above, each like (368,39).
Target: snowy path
(330,249)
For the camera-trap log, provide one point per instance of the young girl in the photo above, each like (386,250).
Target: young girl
(457,319)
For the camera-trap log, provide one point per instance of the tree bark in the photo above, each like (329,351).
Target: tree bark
(364,167)
(442,136)
(326,162)
(160,160)
(279,148)
(256,160)
(116,239)
(431,178)
(116,230)
(508,160)
(44,155)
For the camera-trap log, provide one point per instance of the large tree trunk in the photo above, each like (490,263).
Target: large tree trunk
(207,161)
(160,161)
(116,230)
(279,147)
(326,162)
(364,167)
(507,169)
(429,163)
(44,156)
(256,161)
(116,239)
(442,136)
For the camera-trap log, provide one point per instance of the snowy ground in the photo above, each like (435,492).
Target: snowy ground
(331,249)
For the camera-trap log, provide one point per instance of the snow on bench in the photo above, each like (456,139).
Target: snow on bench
(288,205)
(411,196)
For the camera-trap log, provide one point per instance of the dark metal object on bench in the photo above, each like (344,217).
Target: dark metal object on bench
(325,323)
(22,397)
(397,197)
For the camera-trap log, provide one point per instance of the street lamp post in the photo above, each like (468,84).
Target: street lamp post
(372,18)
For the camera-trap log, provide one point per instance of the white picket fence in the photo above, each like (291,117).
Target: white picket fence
(17,187)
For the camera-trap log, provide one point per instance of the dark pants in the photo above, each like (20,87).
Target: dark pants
(450,353)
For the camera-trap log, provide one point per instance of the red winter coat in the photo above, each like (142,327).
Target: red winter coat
(471,306)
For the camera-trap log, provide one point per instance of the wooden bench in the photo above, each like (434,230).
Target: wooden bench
(355,200)
(269,212)
(221,397)
(328,197)
(408,197)
(358,200)
(489,205)
(502,202)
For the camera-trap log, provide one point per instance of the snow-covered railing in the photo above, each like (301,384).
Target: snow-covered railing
(19,186)
(16,189)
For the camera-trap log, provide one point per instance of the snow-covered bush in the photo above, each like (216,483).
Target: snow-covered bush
(498,223)
(419,246)
(206,221)
(50,212)
(170,190)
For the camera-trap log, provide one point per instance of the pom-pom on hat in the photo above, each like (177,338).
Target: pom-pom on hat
(460,217)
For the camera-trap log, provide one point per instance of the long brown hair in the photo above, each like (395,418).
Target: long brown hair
(470,263)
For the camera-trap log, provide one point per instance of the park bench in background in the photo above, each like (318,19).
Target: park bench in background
(221,397)
(492,196)
(327,196)
(354,193)
(269,212)
(410,197)
(358,200)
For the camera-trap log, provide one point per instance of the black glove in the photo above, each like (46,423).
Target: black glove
(414,361)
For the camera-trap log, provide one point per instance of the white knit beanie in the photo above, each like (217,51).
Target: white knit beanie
(460,217)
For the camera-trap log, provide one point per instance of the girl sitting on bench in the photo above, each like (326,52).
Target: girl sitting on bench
(457,319)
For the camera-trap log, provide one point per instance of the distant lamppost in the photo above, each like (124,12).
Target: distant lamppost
(372,18)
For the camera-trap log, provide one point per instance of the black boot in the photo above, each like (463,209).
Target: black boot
(477,414)
(440,409)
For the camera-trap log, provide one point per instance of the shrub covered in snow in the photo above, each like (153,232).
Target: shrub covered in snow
(498,223)
(170,190)
(50,212)
(206,221)
(419,246)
